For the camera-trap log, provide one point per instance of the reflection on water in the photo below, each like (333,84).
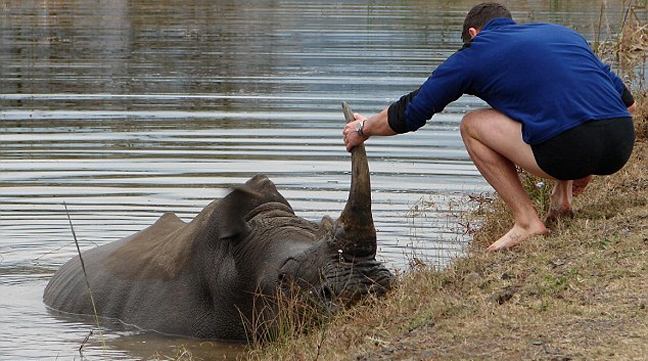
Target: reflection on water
(127,109)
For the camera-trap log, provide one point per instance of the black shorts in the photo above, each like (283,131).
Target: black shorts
(598,147)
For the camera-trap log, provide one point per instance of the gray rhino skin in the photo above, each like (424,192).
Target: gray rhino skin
(207,278)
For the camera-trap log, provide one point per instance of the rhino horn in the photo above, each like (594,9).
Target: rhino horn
(358,235)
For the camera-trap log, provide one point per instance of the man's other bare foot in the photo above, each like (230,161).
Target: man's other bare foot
(516,236)
(579,185)
(561,198)
(559,213)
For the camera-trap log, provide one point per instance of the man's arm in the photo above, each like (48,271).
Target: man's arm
(446,84)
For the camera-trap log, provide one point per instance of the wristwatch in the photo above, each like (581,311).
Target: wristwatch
(359,127)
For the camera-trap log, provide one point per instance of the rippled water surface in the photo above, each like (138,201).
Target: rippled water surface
(125,109)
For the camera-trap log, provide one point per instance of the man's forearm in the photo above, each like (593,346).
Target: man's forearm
(378,125)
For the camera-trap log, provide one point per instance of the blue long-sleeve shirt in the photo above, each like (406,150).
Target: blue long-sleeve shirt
(542,75)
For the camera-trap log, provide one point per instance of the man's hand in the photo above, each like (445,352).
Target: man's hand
(351,136)
(377,126)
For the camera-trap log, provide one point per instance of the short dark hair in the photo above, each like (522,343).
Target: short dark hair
(481,14)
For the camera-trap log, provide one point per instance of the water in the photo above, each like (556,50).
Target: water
(124,110)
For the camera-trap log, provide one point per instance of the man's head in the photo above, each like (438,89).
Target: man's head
(479,15)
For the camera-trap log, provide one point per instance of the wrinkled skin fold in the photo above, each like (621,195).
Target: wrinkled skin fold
(214,276)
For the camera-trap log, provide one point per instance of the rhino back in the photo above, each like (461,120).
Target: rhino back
(181,306)
(67,291)
(124,283)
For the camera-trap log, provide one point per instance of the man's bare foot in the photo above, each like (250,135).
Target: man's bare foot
(579,185)
(516,236)
(559,213)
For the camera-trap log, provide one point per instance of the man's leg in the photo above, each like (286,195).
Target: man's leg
(494,143)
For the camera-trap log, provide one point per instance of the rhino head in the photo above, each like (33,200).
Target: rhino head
(344,249)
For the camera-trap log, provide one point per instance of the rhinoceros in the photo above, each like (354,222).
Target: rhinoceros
(207,278)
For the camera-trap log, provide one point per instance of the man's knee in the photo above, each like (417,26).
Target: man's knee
(469,122)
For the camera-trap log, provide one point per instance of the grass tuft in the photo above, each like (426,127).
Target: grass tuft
(280,318)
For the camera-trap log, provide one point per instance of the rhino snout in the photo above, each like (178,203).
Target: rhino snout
(350,281)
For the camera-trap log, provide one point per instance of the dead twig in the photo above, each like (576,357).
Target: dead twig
(85,340)
(85,274)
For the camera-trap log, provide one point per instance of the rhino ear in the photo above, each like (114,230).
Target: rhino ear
(233,208)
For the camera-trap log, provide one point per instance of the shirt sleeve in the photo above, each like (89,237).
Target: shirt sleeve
(627,97)
(446,84)
(620,86)
(396,112)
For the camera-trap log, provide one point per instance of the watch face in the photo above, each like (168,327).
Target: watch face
(359,127)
